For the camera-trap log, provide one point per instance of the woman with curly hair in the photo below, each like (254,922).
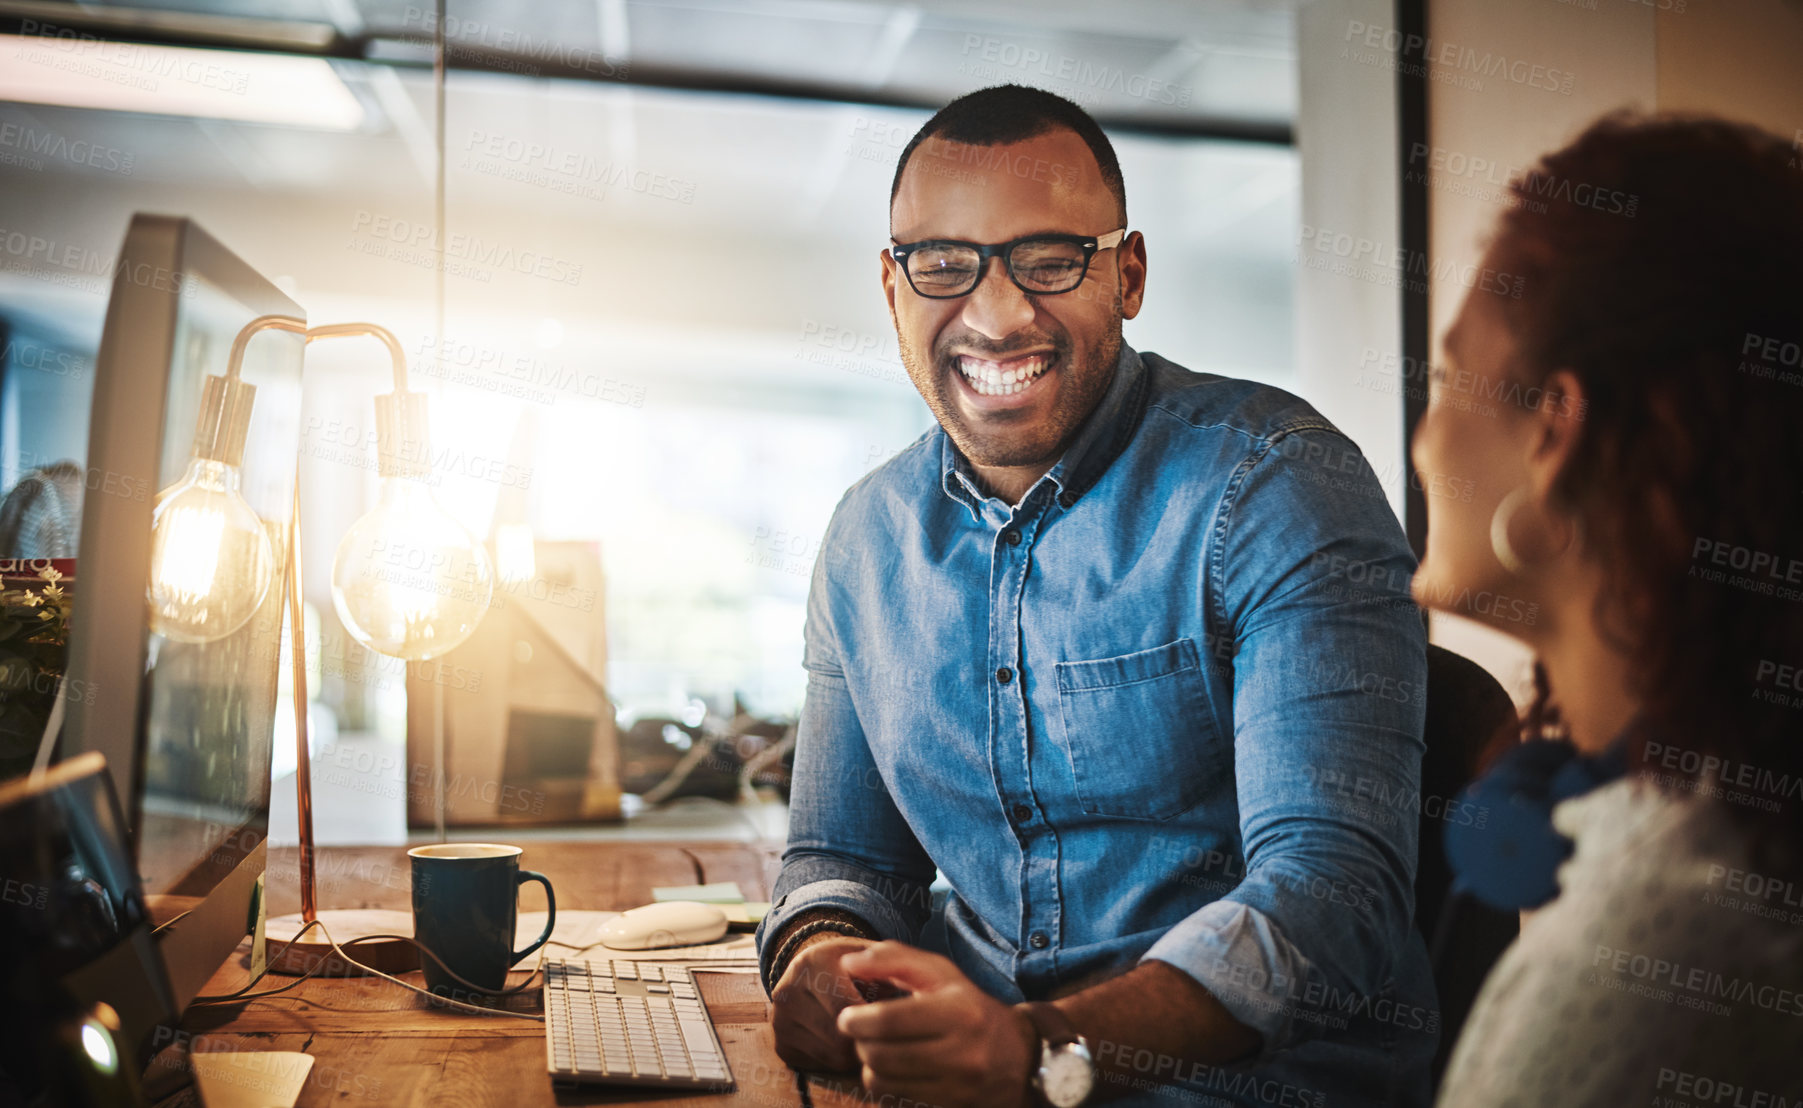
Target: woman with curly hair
(1632,424)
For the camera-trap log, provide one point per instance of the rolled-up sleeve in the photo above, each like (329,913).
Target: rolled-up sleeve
(1309,575)
(849,846)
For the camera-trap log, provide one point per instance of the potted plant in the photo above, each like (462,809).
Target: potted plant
(34,636)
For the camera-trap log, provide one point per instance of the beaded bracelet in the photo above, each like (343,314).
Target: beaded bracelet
(844,925)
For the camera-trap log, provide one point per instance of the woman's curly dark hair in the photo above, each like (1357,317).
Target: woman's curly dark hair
(1662,264)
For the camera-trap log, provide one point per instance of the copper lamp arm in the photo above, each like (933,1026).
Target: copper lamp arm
(303,773)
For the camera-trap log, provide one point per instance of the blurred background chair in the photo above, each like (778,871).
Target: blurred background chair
(1469,718)
(41,516)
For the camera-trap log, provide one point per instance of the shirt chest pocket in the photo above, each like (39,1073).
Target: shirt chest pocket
(1139,733)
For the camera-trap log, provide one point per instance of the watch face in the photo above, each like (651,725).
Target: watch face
(1066,1076)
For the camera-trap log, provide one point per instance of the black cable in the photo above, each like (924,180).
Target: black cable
(470,985)
(245,993)
(268,962)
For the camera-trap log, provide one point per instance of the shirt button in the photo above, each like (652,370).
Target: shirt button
(1038,940)
(1012,537)
(1004,675)
(1022,813)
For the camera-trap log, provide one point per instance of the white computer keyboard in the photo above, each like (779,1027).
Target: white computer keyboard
(629,1023)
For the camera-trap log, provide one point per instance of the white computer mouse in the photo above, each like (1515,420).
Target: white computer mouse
(669,923)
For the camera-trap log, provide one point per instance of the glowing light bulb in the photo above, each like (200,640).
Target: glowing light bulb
(98,1045)
(409,581)
(210,559)
(514,559)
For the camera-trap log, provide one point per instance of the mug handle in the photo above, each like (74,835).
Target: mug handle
(524,876)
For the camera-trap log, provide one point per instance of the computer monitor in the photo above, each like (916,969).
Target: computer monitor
(81,986)
(528,727)
(186,726)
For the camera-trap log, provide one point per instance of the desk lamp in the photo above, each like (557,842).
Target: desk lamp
(408,581)
(210,560)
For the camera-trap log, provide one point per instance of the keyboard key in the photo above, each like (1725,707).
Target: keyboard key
(696,1034)
(659,1033)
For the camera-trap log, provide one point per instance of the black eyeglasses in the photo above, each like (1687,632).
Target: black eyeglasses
(1044,265)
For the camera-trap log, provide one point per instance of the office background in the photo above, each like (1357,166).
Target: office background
(662,330)
(658,328)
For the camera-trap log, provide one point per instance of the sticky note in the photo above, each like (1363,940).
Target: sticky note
(250,1079)
(720,892)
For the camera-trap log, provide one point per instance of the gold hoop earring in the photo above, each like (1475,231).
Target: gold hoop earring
(1500,543)
(1499,530)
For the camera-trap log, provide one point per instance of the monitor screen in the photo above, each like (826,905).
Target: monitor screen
(209,706)
(175,633)
(74,929)
(69,892)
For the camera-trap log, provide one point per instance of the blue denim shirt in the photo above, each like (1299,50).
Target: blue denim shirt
(1155,710)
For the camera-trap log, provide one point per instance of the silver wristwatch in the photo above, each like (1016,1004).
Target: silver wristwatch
(1066,1073)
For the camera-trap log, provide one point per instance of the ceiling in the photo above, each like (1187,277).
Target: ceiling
(802,177)
(749,285)
(1222,64)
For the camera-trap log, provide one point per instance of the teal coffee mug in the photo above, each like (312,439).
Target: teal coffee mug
(465,908)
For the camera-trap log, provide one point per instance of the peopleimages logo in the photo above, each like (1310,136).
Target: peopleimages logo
(1690,986)
(463,254)
(68,264)
(996,159)
(124,63)
(491,369)
(515,48)
(1721,562)
(33,144)
(1435,165)
(1715,770)
(568,171)
(1356,256)
(1078,74)
(1445,62)
(1709,1090)
(1772,351)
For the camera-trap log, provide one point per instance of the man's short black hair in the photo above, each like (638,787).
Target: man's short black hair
(1006,114)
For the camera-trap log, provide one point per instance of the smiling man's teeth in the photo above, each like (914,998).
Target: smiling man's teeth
(1001,378)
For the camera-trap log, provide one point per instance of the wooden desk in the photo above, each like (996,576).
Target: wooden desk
(377,1044)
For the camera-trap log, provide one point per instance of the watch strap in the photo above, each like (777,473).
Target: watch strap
(1057,1036)
(1050,1021)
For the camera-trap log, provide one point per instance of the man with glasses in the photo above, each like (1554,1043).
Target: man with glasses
(1087,648)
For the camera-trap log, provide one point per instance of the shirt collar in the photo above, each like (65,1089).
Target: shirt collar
(1100,439)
